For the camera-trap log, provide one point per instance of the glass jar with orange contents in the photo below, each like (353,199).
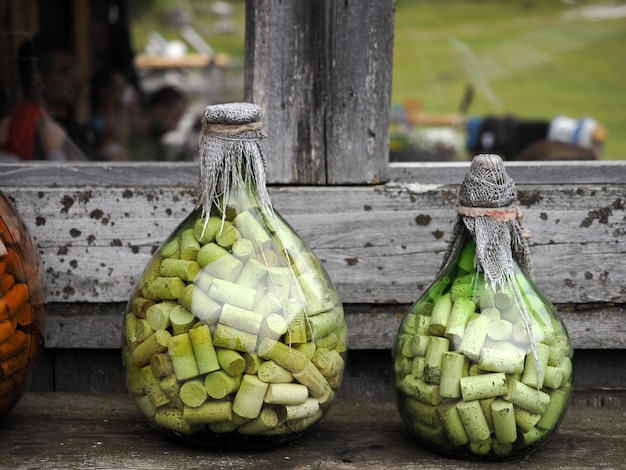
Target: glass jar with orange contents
(22,306)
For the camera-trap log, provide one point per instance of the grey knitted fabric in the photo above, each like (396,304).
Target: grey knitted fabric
(498,241)
(231,155)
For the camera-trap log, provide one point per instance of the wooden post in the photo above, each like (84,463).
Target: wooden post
(322,72)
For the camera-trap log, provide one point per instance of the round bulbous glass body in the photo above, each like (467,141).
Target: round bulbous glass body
(468,381)
(22,307)
(234,335)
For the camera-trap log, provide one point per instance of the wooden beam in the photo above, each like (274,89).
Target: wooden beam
(322,72)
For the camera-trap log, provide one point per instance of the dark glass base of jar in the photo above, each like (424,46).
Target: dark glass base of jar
(233,440)
(463,452)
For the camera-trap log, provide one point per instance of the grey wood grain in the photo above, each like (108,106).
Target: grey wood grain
(322,73)
(69,430)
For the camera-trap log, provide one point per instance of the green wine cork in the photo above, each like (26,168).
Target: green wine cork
(485,404)
(467,259)
(274,326)
(483,386)
(286,394)
(501,360)
(451,419)
(452,367)
(146,407)
(187,270)
(227,235)
(253,363)
(226,292)
(420,390)
(310,407)
(526,420)
(193,393)
(462,288)
(285,356)
(440,315)
(152,388)
(553,377)
(171,248)
(173,419)
(266,421)
(218,262)
(209,412)
(161,365)
(205,229)
(504,421)
(313,379)
(268,304)
(243,249)
(142,330)
(318,295)
(279,280)
(423,412)
(499,329)
(462,309)
(474,421)
(171,387)
(163,288)
(183,357)
(232,338)
(533,376)
(474,337)
(269,371)
(241,319)
(252,274)
(189,246)
(203,349)
(248,400)
(296,322)
(231,361)
(219,384)
(200,304)
(557,406)
(415,345)
(181,320)
(140,305)
(252,229)
(156,343)
(158,315)
(434,356)
(417,367)
(526,397)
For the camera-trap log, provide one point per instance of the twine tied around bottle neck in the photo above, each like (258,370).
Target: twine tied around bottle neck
(231,130)
(231,155)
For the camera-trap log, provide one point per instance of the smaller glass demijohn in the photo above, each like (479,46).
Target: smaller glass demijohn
(22,306)
(482,362)
(234,335)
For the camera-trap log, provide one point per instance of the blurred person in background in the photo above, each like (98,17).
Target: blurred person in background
(36,127)
(163,112)
(114,112)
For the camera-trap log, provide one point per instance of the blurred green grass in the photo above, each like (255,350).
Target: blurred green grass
(529,59)
(525,58)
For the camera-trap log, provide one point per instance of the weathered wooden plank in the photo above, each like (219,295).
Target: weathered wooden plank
(83,325)
(185,174)
(380,244)
(548,172)
(64,430)
(322,73)
(599,378)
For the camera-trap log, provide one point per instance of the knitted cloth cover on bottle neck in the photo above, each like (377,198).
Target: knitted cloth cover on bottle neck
(231,155)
